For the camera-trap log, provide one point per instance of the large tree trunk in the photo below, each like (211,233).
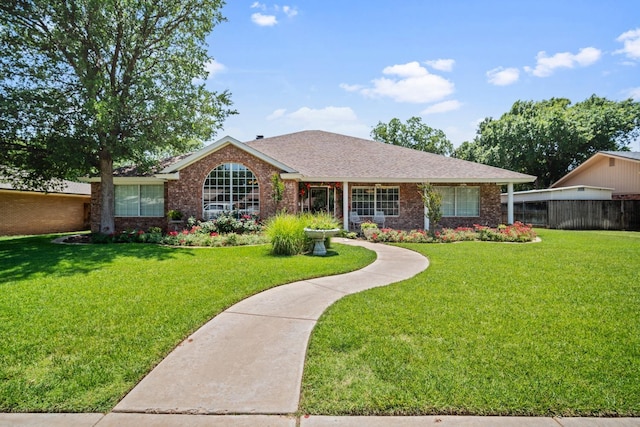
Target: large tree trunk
(107,193)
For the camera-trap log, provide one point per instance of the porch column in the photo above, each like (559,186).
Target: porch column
(345,205)
(510,203)
(426,218)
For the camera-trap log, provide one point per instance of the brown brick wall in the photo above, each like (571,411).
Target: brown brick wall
(625,197)
(124,223)
(185,194)
(39,213)
(412,209)
(490,210)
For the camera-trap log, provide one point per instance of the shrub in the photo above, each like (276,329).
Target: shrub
(518,232)
(286,233)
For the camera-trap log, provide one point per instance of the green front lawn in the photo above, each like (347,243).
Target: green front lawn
(550,328)
(81,325)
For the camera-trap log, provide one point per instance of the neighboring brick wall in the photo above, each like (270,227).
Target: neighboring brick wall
(490,210)
(626,197)
(40,213)
(185,194)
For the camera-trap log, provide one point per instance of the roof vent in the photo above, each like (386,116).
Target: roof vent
(259,136)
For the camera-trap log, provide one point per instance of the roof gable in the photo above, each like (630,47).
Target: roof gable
(223,142)
(632,156)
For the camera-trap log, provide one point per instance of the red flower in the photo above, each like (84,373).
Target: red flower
(173,233)
(213,234)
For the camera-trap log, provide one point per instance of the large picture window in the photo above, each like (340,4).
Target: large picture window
(231,187)
(139,200)
(367,200)
(460,201)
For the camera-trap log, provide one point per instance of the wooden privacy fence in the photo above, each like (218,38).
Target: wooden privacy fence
(579,214)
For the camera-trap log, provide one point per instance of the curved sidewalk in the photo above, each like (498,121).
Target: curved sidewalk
(249,359)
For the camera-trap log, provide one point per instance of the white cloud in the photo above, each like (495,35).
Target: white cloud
(264,20)
(503,76)
(631,40)
(290,11)
(270,16)
(634,93)
(546,65)
(277,114)
(441,64)
(323,115)
(413,84)
(213,67)
(350,88)
(442,107)
(332,119)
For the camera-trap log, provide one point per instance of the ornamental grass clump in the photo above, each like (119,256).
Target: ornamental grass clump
(286,233)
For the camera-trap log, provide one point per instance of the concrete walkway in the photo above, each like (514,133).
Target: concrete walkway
(244,367)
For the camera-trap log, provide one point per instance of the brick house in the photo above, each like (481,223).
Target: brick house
(320,171)
(37,212)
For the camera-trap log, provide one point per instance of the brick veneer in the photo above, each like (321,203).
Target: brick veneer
(39,213)
(185,195)
(490,210)
(412,210)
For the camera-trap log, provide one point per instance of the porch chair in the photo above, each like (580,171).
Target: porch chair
(354,220)
(378,218)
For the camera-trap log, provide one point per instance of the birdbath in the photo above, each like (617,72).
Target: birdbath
(318,237)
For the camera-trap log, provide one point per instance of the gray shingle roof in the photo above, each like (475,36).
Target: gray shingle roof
(329,156)
(633,155)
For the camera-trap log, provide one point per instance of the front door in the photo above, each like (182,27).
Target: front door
(319,199)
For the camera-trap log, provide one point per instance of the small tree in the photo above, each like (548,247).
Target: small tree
(277,191)
(432,201)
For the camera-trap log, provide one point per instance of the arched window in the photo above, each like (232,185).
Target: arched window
(231,187)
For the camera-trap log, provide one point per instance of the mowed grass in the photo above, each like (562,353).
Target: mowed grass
(81,325)
(550,328)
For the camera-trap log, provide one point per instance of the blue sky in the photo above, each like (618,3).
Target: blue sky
(343,66)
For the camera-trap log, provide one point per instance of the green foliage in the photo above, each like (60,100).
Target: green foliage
(320,221)
(551,137)
(229,222)
(544,329)
(87,83)
(277,191)
(518,232)
(83,324)
(174,215)
(414,134)
(286,233)
(432,201)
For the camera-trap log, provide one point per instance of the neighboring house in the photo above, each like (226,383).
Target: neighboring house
(320,171)
(35,212)
(618,170)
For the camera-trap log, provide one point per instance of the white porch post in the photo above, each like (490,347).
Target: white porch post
(510,203)
(426,217)
(345,205)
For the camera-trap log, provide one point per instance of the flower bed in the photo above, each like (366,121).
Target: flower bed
(226,230)
(518,232)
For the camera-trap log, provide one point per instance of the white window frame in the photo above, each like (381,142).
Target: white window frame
(230,182)
(137,200)
(394,211)
(459,205)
